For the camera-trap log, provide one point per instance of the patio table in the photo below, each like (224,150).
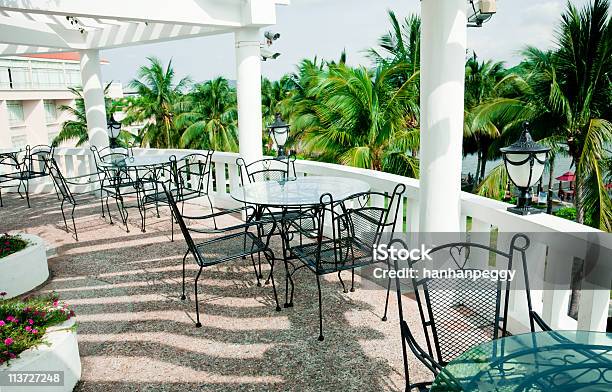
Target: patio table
(294,194)
(541,361)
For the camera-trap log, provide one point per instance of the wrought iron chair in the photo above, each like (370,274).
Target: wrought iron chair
(187,178)
(62,185)
(458,313)
(115,181)
(33,166)
(228,243)
(355,228)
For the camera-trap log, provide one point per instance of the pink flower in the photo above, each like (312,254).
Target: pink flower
(8,341)
(30,321)
(10,318)
(28,328)
(2,323)
(34,331)
(55,303)
(12,356)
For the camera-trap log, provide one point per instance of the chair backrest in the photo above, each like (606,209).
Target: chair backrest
(456,311)
(109,155)
(181,222)
(36,157)
(267,169)
(60,181)
(356,224)
(192,173)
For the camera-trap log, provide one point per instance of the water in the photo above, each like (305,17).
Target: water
(562,165)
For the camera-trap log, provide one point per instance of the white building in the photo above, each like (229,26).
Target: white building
(32,88)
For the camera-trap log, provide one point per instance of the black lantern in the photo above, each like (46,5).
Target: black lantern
(525,160)
(279,131)
(114,128)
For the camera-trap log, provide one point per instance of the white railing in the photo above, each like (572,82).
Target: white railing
(485,215)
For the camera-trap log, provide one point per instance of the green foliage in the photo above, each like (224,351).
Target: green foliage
(23,323)
(10,244)
(568,213)
(157,94)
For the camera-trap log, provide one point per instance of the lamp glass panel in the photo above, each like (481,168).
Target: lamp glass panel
(519,174)
(538,168)
(280,136)
(114,132)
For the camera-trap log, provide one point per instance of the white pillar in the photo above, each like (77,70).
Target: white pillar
(443,46)
(93,95)
(248,76)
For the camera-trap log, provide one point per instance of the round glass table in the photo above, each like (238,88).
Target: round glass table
(141,161)
(542,361)
(298,192)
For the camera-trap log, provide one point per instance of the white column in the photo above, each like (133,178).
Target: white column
(93,95)
(443,46)
(248,75)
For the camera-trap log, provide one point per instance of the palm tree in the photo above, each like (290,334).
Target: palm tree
(208,116)
(154,105)
(76,127)
(572,83)
(355,116)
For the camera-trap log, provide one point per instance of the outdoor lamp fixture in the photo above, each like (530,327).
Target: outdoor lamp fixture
(482,12)
(114,127)
(279,131)
(524,161)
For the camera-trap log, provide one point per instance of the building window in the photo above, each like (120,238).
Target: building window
(50,111)
(19,141)
(15,113)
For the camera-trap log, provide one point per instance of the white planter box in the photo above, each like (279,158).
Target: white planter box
(61,353)
(24,270)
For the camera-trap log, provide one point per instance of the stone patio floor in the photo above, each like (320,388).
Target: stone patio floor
(135,334)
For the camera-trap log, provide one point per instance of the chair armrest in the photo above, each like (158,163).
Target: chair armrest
(70,181)
(217,214)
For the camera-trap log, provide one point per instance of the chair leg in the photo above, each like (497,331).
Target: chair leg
(183,297)
(255,268)
(64,216)
(198,323)
(320,309)
(1,204)
(384,317)
(102,202)
(171,225)
(110,217)
(76,235)
(27,192)
(271,261)
(342,283)
(353,280)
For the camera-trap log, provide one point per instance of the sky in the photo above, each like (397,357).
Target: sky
(324,28)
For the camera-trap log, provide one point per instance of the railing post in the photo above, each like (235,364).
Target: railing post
(555,299)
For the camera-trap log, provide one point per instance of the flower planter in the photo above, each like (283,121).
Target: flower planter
(26,269)
(60,353)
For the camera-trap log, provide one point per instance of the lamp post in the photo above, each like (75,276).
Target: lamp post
(114,127)
(524,161)
(279,131)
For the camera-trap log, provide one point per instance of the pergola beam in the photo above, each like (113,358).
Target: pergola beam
(191,12)
(25,32)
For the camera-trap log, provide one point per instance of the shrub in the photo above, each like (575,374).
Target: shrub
(10,244)
(568,213)
(23,322)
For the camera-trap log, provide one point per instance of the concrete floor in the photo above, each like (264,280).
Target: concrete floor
(135,334)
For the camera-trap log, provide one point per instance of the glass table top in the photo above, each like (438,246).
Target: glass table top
(542,361)
(300,191)
(141,161)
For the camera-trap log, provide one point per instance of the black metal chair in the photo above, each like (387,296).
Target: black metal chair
(187,178)
(115,181)
(62,185)
(355,228)
(231,242)
(33,166)
(458,312)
